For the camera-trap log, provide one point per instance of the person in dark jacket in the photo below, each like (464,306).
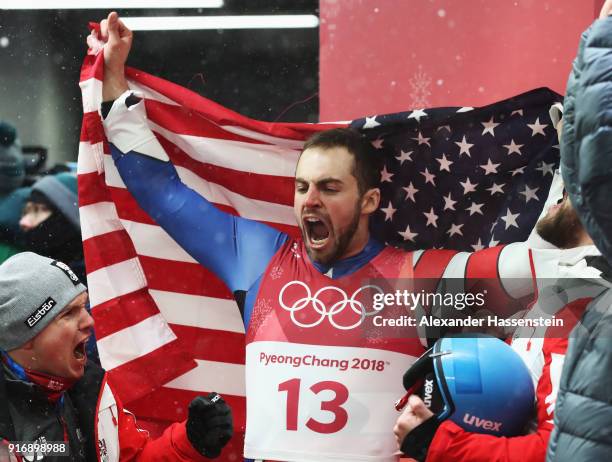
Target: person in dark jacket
(12,194)
(50,221)
(583,416)
(51,396)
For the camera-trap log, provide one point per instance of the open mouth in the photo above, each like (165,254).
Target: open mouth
(317,232)
(79,351)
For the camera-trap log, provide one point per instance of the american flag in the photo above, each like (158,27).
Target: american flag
(167,329)
(464,178)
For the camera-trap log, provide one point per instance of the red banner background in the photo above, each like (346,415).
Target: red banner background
(388,55)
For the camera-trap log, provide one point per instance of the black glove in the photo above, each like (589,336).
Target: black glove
(209,425)
(416,443)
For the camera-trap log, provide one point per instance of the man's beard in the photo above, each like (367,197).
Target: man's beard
(341,242)
(563,229)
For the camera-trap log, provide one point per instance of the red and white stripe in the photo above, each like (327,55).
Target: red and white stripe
(167,328)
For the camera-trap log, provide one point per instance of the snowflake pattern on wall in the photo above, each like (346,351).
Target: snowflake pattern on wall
(420,83)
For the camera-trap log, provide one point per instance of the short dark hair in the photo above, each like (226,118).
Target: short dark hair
(367,163)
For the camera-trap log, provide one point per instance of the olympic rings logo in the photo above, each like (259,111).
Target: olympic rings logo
(313,302)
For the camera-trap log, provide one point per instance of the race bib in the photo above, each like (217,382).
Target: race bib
(322,403)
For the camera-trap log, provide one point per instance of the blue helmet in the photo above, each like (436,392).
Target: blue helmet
(478,382)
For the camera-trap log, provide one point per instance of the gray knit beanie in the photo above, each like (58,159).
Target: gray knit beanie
(33,291)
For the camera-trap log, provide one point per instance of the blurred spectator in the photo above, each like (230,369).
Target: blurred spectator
(12,169)
(50,221)
(12,197)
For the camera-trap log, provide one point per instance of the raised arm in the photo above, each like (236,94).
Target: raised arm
(234,248)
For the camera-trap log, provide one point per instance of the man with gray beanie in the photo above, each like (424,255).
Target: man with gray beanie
(57,405)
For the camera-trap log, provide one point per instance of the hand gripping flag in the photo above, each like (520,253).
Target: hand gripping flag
(168,329)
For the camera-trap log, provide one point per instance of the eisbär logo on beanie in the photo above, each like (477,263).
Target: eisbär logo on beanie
(40,312)
(67,271)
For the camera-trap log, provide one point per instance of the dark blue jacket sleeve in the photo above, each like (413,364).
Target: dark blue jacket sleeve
(236,249)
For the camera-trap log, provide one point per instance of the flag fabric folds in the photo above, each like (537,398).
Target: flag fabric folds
(168,329)
(464,178)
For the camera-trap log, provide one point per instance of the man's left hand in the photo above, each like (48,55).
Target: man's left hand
(210,424)
(413,415)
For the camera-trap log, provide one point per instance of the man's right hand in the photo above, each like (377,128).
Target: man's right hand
(210,424)
(118,40)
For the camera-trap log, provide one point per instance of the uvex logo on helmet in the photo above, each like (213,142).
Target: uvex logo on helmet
(482,423)
(428,387)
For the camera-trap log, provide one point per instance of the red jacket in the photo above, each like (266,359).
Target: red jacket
(453,443)
(110,433)
(136,445)
(543,353)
